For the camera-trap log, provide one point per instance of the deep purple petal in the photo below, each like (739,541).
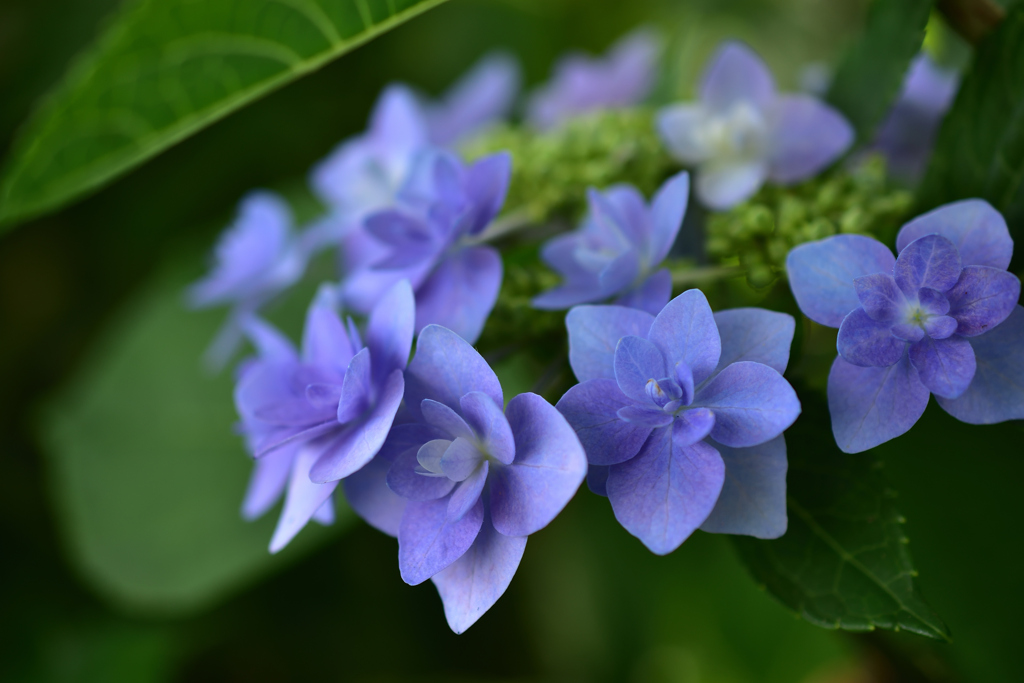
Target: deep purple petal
(821,274)
(597,479)
(474,582)
(488,421)
(461,459)
(870,406)
(755,334)
(806,136)
(468,492)
(752,404)
(945,366)
(996,393)
(428,542)
(644,416)
(736,74)
(324,340)
(356,389)
(668,208)
(868,343)
(753,499)
(978,231)
(663,494)
(446,368)
(403,479)
(267,482)
(880,296)
(692,426)
(940,326)
(594,332)
(982,298)
(439,415)
(651,295)
(549,467)
(592,410)
(929,261)
(637,361)
(685,330)
(367,492)
(302,501)
(461,292)
(722,185)
(389,330)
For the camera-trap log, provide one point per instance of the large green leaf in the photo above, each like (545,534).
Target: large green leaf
(980,147)
(164,70)
(843,562)
(871,73)
(148,473)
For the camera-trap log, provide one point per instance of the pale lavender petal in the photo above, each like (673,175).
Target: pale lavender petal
(930,261)
(303,499)
(356,388)
(685,330)
(637,360)
(594,332)
(486,186)
(389,330)
(692,426)
(643,416)
(597,479)
(407,238)
(620,273)
(480,97)
(908,332)
(736,74)
(668,208)
(870,406)
(488,421)
(821,274)
(549,467)
(868,343)
(270,344)
(461,459)
(324,395)
(403,479)
(755,334)
(446,368)
(752,404)
(945,366)
(651,295)
(996,393)
(468,493)
(880,296)
(753,499)
(940,326)
(634,219)
(267,482)
(681,127)
(806,136)
(397,118)
(722,185)
(592,410)
(978,231)
(428,542)
(324,341)
(361,439)
(325,513)
(666,492)
(367,492)
(982,298)
(442,417)
(474,582)
(461,292)
(429,455)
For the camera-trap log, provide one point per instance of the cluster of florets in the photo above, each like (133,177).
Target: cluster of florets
(679,413)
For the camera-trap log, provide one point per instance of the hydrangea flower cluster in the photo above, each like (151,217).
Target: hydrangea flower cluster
(941,318)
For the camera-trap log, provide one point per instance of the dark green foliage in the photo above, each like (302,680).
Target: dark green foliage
(869,77)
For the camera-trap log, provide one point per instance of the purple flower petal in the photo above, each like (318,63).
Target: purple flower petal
(488,421)
(976,229)
(325,513)
(594,332)
(461,459)
(880,296)
(651,295)
(487,183)
(407,238)
(722,184)
(474,582)
(270,344)
(619,274)
(361,439)
(663,494)
(549,467)
(367,492)
(439,415)
(996,393)
(637,360)
(868,343)
(468,492)
(597,479)
(403,479)
(870,406)
(685,330)
(736,74)
(269,477)
(480,97)
(945,366)
(821,274)
(302,501)
(930,261)
(908,332)
(806,136)
(668,208)
(753,498)
(643,416)
(692,426)
(940,326)
(429,455)
(755,334)
(389,331)
(752,404)
(932,301)
(324,339)
(428,542)
(446,368)
(592,410)
(356,388)
(461,292)
(982,298)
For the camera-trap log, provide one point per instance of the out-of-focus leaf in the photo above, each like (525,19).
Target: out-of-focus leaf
(148,474)
(869,77)
(980,147)
(166,69)
(843,562)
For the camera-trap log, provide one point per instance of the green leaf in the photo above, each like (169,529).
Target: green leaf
(843,562)
(980,147)
(148,474)
(870,75)
(164,70)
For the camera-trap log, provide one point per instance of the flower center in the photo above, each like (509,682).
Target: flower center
(739,133)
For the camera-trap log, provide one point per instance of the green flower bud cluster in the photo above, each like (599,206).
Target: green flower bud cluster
(759,233)
(552,170)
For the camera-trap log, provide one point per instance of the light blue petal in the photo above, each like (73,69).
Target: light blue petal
(753,499)
(446,368)
(978,231)
(685,330)
(594,332)
(752,404)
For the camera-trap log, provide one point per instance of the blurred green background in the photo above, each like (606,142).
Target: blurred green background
(124,558)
